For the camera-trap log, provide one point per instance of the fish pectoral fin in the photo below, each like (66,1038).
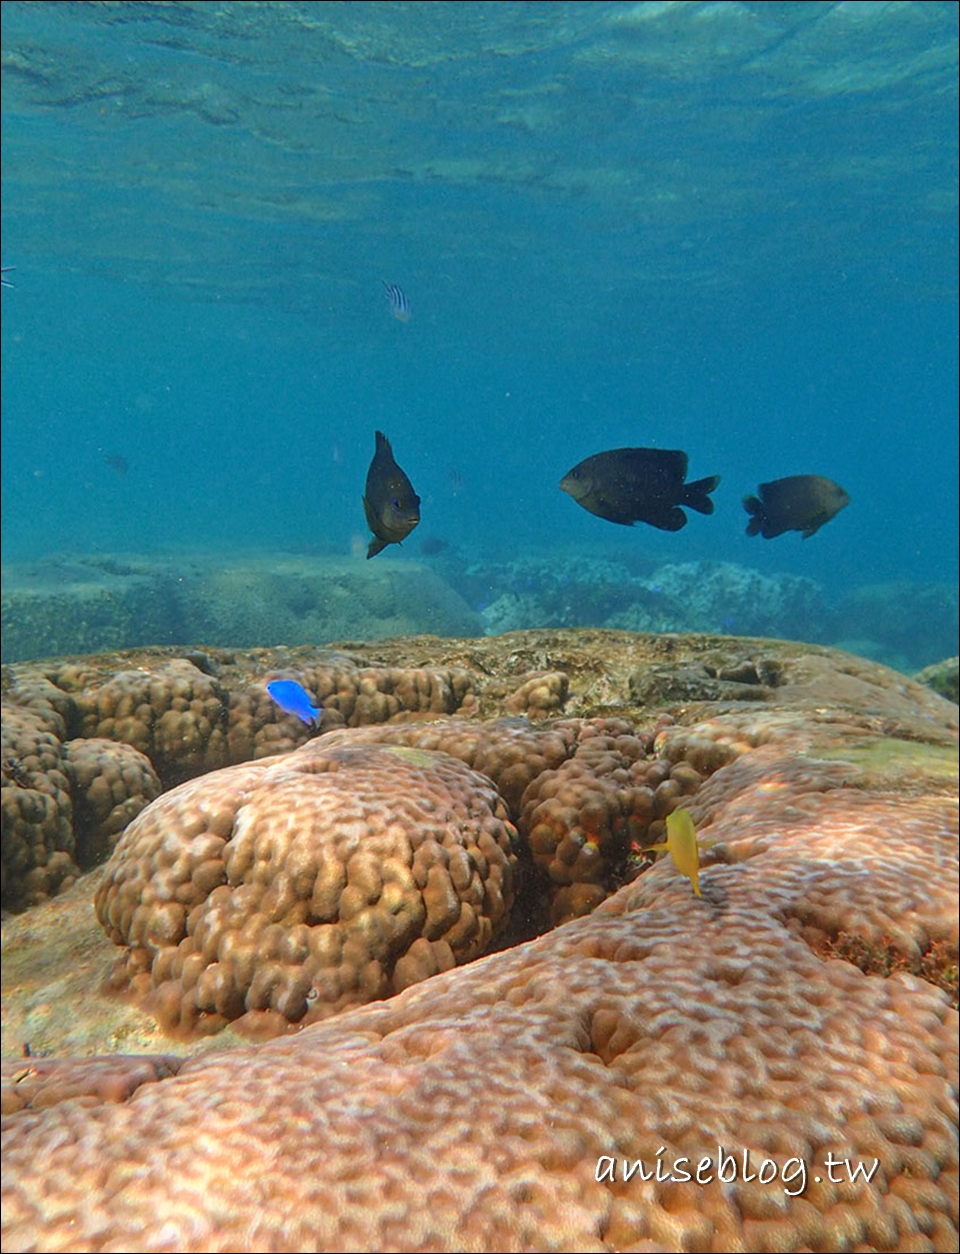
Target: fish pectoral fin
(814,525)
(369,514)
(668,519)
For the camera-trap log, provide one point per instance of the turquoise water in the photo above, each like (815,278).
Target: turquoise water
(727,228)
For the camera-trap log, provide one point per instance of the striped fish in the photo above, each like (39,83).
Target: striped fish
(399,305)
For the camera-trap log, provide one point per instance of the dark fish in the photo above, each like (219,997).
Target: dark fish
(117,462)
(399,305)
(797,503)
(432,545)
(630,485)
(293,698)
(390,503)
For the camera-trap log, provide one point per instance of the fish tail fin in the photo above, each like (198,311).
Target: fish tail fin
(695,494)
(754,507)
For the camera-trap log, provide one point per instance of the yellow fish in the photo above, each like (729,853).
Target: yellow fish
(681,845)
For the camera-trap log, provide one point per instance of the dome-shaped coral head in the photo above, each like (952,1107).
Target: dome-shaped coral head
(282,891)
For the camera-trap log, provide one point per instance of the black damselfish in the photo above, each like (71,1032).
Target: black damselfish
(390,503)
(631,485)
(797,503)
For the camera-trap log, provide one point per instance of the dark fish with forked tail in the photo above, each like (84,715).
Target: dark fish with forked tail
(631,485)
(797,503)
(390,503)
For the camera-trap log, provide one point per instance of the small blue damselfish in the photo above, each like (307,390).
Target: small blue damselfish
(293,698)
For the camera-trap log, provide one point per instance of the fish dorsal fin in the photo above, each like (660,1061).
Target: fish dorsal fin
(658,461)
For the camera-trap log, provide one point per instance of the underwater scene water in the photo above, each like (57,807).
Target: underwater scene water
(243,238)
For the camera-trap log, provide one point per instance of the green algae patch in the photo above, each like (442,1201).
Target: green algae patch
(891,762)
(416,757)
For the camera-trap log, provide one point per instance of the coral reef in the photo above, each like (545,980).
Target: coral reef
(288,889)
(110,785)
(83,605)
(917,622)
(64,802)
(79,605)
(198,710)
(669,1072)
(38,838)
(158,720)
(584,819)
(285,890)
(582,591)
(721,596)
(943,677)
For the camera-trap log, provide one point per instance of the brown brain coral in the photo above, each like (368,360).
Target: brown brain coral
(64,804)
(584,819)
(506,1105)
(290,888)
(39,849)
(585,794)
(564,1094)
(110,785)
(174,713)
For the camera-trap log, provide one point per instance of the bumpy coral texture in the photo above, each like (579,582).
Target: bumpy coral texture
(199,710)
(586,794)
(603,804)
(140,727)
(39,849)
(188,721)
(110,784)
(505,1105)
(287,889)
(41,1082)
(64,801)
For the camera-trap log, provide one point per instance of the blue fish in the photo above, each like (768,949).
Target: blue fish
(293,698)
(399,305)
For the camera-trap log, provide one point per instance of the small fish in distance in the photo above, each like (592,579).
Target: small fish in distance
(681,845)
(631,485)
(390,503)
(399,305)
(293,698)
(797,503)
(433,545)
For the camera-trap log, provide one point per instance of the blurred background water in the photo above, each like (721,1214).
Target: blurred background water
(728,228)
